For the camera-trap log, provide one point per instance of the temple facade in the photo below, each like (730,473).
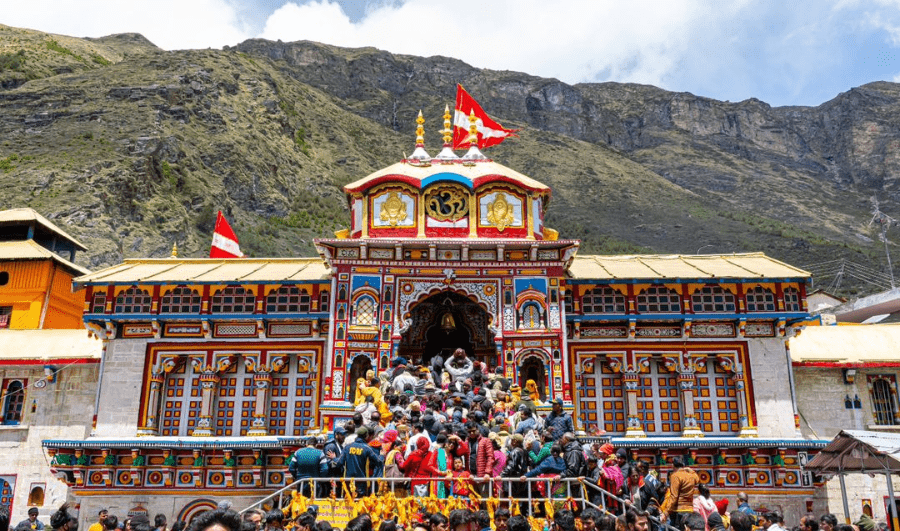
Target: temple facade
(213,369)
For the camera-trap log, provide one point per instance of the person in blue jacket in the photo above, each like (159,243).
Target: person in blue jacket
(359,460)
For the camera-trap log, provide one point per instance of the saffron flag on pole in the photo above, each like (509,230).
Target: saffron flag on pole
(224,242)
(490,133)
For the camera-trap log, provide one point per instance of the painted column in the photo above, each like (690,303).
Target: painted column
(747,429)
(151,423)
(634,428)
(208,382)
(259,426)
(689,425)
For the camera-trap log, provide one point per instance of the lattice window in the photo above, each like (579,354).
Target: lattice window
(712,299)
(613,400)
(292,403)
(98,303)
(658,299)
(760,299)
(288,299)
(181,401)
(603,300)
(324,300)
(364,311)
(133,300)
(792,300)
(180,300)
(715,400)
(659,405)
(884,404)
(13,401)
(531,316)
(568,301)
(236,401)
(233,299)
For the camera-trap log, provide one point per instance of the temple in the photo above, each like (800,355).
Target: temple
(212,369)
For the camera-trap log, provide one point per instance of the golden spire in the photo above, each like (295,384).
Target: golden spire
(448,131)
(420,130)
(174,250)
(473,129)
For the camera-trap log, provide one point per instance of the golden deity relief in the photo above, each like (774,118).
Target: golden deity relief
(500,212)
(393,210)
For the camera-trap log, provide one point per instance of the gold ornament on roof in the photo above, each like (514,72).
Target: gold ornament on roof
(174,249)
(473,128)
(393,210)
(448,130)
(500,212)
(447,203)
(420,130)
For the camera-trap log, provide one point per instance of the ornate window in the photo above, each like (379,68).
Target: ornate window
(659,405)
(288,299)
(603,300)
(324,300)
(658,299)
(568,301)
(236,401)
(712,299)
(133,300)
(233,299)
(759,299)
(98,303)
(181,401)
(364,311)
(884,401)
(716,400)
(792,300)
(531,316)
(13,401)
(180,300)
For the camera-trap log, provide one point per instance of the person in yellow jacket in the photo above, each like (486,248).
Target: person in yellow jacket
(679,501)
(100,525)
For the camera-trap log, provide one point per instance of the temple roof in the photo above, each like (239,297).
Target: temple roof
(31,250)
(48,345)
(19,216)
(847,345)
(681,267)
(470,174)
(210,271)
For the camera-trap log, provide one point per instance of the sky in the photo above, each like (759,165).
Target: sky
(783,53)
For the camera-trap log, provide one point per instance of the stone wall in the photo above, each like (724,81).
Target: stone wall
(769,369)
(121,387)
(860,487)
(61,410)
(169,505)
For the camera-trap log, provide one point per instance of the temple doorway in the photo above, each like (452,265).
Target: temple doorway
(361,364)
(532,368)
(445,322)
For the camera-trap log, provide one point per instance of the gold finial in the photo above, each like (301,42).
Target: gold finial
(420,130)
(473,129)
(448,131)
(174,249)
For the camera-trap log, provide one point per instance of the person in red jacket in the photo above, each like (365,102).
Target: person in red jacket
(416,466)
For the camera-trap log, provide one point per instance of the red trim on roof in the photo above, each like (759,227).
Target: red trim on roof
(68,361)
(390,178)
(497,178)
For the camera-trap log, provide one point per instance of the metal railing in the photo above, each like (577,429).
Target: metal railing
(576,489)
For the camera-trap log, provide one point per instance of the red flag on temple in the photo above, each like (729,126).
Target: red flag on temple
(224,242)
(490,133)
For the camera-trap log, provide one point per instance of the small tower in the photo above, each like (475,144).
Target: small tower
(447,153)
(474,153)
(420,154)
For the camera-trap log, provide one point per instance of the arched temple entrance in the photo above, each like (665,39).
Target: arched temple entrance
(358,369)
(532,368)
(443,322)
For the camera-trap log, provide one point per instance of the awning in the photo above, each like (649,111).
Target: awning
(858,451)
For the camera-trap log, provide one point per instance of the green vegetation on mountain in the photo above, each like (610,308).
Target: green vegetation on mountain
(131,148)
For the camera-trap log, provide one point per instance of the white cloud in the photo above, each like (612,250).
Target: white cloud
(572,41)
(170,24)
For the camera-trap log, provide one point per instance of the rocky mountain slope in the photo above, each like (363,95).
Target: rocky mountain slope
(132,148)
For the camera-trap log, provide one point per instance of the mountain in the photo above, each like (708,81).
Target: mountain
(131,148)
